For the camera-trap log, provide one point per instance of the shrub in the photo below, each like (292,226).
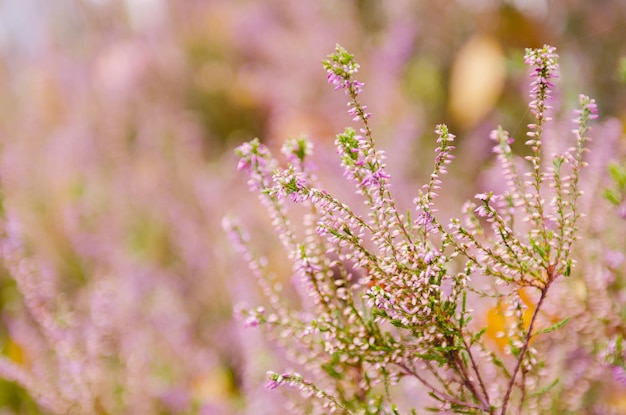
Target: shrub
(393,298)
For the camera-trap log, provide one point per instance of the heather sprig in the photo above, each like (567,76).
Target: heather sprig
(362,162)
(543,62)
(338,323)
(390,296)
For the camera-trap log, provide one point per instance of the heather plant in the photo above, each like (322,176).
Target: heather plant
(393,298)
(113,299)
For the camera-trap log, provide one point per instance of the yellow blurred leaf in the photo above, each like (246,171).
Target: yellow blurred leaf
(498,322)
(477,80)
(496,329)
(615,398)
(15,352)
(214,386)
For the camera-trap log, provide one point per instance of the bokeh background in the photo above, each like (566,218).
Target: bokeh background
(118,120)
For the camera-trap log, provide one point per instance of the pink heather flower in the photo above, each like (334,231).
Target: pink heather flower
(297,149)
(613,259)
(426,221)
(482,211)
(340,67)
(252,154)
(544,61)
(589,109)
(431,256)
(619,374)
(443,157)
(256,162)
(357,87)
(274,380)
(251,321)
(375,178)
(292,183)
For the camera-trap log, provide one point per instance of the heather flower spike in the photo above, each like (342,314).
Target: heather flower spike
(387,298)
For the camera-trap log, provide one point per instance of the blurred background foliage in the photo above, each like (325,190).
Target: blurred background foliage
(117,124)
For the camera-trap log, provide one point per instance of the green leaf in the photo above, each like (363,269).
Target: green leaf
(515,351)
(553,327)
(612,196)
(498,362)
(546,388)
(399,324)
(618,360)
(537,248)
(568,269)
(329,368)
(463,308)
(618,174)
(478,335)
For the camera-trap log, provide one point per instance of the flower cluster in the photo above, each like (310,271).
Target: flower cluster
(341,67)
(391,294)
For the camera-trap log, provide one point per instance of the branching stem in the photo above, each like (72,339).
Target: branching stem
(529,333)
